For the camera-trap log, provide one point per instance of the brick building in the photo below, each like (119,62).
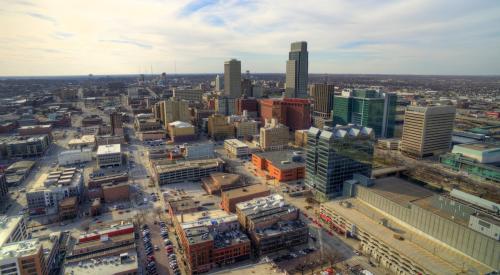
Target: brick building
(281,165)
(292,112)
(231,197)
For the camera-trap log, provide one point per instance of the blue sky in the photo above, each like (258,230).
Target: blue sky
(60,37)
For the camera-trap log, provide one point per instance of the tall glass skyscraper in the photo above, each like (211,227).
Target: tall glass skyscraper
(369,108)
(297,71)
(334,156)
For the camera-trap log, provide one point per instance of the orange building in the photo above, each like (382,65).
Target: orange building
(281,165)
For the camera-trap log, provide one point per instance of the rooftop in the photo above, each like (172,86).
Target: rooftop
(35,126)
(235,143)
(19,249)
(284,160)
(85,139)
(245,191)
(204,163)
(109,149)
(262,202)
(7,226)
(18,165)
(281,227)
(180,124)
(205,218)
(21,139)
(399,190)
(104,265)
(368,220)
(65,177)
(482,147)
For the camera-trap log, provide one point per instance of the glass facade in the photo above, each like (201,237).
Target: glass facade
(332,159)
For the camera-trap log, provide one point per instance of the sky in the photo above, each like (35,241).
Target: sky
(79,37)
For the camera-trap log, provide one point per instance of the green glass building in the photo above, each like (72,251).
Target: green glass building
(369,108)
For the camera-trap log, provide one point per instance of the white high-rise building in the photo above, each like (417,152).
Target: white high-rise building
(219,83)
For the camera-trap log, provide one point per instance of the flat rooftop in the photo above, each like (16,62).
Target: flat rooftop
(204,163)
(7,226)
(85,139)
(205,218)
(104,265)
(368,219)
(245,191)
(399,191)
(19,249)
(235,143)
(482,147)
(283,159)
(109,149)
(262,202)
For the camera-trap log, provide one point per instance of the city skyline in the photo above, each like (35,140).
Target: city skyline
(132,37)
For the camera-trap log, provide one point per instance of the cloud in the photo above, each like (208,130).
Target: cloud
(42,17)
(129,42)
(365,36)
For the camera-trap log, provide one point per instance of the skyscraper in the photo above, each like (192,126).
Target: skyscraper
(297,68)
(369,108)
(219,83)
(427,130)
(333,157)
(323,96)
(116,124)
(232,78)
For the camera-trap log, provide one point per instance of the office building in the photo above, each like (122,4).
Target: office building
(231,197)
(301,138)
(292,112)
(173,110)
(109,155)
(144,122)
(272,224)
(193,170)
(4,189)
(334,156)
(219,128)
(199,150)
(297,75)
(323,96)
(52,188)
(219,182)
(23,258)
(211,239)
(427,130)
(281,165)
(273,136)
(225,105)
(250,105)
(23,146)
(411,230)
(369,108)
(85,141)
(116,120)
(12,229)
(219,83)
(236,148)
(192,95)
(232,78)
(71,157)
(246,128)
(180,131)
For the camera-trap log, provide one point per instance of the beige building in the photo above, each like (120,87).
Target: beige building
(86,141)
(219,128)
(273,136)
(427,130)
(188,94)
(301,138)
(173,110)
(246,128)
(109,155)
(232,78)
(236,148)
(181,131)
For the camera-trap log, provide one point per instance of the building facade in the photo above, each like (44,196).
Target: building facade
(273,136)
(427,130)
(193,170)
(232,78)
(109,155)
(297,71)
(323,97)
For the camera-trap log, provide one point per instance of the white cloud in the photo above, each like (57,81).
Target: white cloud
(367,36)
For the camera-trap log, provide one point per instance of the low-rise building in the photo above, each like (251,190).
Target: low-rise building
(211,239)
(273,136)
(180,131)
(68,208)
(23,257)
(272,224)
(109,155)
(109,139)
(71,157)
(52,188)
(236,148)
(231,197)
(35,130)
(151,135)
(91,120)
(18,171)
(199,150)
(281,165)
(193,170)
(85,141)
(219,182)
(113,192)
(12,229)
(24,146)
